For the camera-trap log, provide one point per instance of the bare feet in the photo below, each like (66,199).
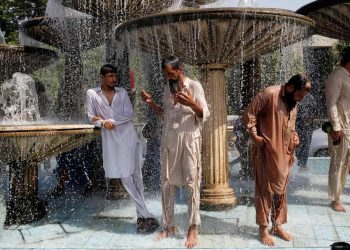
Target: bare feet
(265,237)
(192,237)
(338,206)
(165,233)
(281,233)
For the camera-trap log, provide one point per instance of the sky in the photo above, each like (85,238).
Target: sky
(281,4)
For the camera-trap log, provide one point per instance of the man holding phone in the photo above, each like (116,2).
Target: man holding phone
(184,111)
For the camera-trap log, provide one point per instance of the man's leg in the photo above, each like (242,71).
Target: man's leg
(193,212)
(338,171)
(263,204)
(279,216)
(168,199)
(133,185)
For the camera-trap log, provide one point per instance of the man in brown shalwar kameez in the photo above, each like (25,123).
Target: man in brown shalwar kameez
(270,121)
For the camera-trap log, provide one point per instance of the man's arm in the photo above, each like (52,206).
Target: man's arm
(147,98)
(250,116)
(197,102)
(91,112)
(332,91)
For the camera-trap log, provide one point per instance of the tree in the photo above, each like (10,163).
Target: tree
(12,12)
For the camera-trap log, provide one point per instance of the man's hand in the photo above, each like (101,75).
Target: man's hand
(147,98)
(336,135)
(108,124)
(185,98)
(96,118)
(258,140)
(296,139)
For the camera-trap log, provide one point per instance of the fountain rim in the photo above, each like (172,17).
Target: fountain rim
(27,49)
(39,19)
(46,128)
(318,5)
(176,15)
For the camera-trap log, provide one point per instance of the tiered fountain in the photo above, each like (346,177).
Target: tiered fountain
(24,139)
(214,39)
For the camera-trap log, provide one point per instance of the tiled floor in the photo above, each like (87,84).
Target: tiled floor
(74,222)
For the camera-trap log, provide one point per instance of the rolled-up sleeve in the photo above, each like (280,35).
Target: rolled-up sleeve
(333,88)
(202,102)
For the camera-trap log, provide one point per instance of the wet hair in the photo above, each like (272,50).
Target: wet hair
(108,68)
(173,61)
(300,81)
(345,56)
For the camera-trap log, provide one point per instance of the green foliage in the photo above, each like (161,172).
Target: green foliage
(12,12)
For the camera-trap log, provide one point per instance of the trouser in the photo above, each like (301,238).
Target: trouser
(265,203)
(168,198)
(339,167)
(134,186)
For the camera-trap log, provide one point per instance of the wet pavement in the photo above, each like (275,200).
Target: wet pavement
(76,222)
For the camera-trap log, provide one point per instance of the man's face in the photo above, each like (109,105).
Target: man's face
(109,79)
(293,97)
(170,73)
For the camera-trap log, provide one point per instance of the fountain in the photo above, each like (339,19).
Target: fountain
(23,146)
(214,39)
(15,58)
(331,17)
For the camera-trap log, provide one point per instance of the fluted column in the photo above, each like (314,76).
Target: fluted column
(24,205)
(216,192)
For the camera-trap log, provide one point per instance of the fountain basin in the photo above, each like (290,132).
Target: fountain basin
(332,17)
(22,148)
(125,10)
(70,33)
(20,59)
(217,35)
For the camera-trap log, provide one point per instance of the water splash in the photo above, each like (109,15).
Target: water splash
(2,38)
(18,99)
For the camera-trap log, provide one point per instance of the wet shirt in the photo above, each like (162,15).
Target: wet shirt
(120,146)
(181,134)
(338,100)
(267,116)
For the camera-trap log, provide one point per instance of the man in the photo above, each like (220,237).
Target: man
(270,121)
(109,107)
(338,109)
(305,126)
(184,111)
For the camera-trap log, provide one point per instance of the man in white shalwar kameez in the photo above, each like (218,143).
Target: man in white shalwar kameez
(338,108)
(183,112)
(109,107)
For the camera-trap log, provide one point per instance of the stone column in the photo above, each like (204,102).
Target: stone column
(216,192)
(24,205)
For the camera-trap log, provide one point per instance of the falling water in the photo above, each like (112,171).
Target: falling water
(18,100)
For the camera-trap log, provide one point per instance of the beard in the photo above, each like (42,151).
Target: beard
(289,99)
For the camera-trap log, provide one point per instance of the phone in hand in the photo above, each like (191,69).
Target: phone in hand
(175,86)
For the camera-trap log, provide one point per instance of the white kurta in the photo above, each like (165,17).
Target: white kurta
(120,146)
(181,137)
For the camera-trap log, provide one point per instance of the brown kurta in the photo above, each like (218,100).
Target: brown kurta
(267,116)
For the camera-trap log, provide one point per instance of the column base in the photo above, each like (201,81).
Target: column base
(218,197)
(25,210)
(116,190)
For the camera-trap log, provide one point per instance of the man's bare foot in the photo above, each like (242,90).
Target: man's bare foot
(165,233)
(338,206)
(192,237)
(265,237)
(281,233)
